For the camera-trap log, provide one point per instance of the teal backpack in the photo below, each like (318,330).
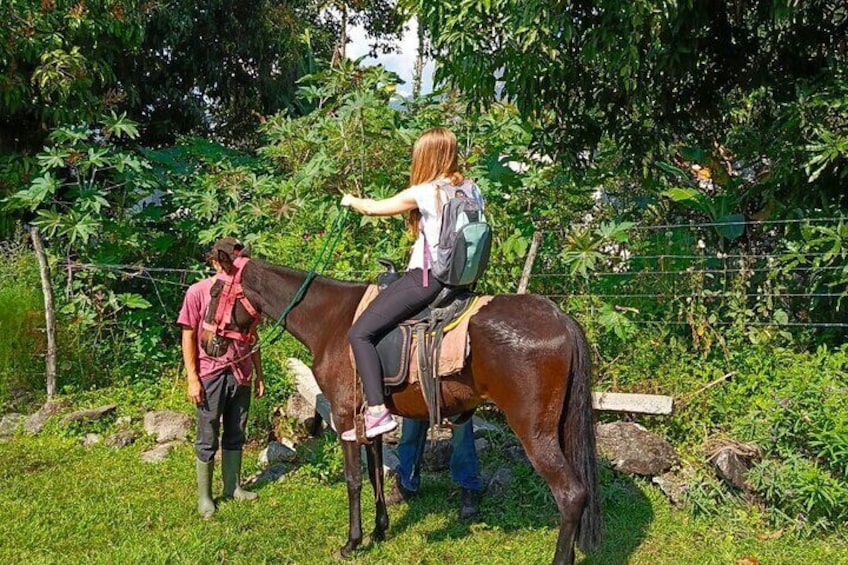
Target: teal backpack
(465,238)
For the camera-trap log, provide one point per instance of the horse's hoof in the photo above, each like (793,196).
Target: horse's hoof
(377,536)
(346,551)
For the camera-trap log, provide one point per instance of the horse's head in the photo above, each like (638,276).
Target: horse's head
(230,314)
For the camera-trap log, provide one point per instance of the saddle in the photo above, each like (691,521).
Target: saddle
(423,336)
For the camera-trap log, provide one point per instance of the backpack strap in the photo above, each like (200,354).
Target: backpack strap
(428,257)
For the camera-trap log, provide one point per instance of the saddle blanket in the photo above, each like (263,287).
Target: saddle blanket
(455,345)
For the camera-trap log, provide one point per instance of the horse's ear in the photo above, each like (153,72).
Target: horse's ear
(226,261)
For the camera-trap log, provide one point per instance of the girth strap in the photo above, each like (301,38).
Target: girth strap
(430,336)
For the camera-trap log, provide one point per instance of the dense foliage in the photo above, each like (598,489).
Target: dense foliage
(211,67)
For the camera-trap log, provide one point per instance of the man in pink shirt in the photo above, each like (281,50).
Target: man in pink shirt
(220,388)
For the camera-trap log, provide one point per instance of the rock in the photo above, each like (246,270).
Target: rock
(437,450)
(277,452)
(500,482)
(84,416)
(732,466)
(270,475)
(168,425)
(631,448)
(483,428)
(91,439)
(298,409)
(516,454)
(390,458)
(9,423)
(158,453)
(36,421)
(121,439)
(123,422)
(673,485)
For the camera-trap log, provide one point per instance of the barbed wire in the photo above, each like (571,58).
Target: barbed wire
(784,255)
(697,271)
(706,295)
(144,274)
(756,324)
(139,268)
(738,223)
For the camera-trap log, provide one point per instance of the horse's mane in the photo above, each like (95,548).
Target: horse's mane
(287,271)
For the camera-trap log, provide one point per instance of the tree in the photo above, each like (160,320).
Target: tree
(59,63)
(643,74)
(208,67)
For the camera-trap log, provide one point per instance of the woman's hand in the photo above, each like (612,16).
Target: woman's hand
(401,202)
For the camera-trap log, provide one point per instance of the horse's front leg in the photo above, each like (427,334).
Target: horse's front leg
(353,477)
(374,455)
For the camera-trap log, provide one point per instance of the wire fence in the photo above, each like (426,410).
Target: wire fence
(647,288)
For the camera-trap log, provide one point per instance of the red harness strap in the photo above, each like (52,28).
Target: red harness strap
(231,293)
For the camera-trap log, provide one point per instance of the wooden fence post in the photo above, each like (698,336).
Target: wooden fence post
(49,313)
(528,263)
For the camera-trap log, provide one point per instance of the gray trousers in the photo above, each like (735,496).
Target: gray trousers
(223,399)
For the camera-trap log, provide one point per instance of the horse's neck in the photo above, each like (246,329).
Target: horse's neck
(327,306)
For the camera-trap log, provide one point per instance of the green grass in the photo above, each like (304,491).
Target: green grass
(61,503)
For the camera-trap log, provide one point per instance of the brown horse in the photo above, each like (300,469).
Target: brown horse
(527,356)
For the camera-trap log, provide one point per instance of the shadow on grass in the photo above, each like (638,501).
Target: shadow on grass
(528,504)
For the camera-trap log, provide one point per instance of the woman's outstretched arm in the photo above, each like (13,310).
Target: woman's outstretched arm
(401,202)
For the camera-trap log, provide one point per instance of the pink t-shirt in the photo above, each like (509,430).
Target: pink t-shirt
(196,302)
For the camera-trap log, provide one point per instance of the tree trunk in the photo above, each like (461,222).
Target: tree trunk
(49,314)
(343,36)
(528,263)
(419,63)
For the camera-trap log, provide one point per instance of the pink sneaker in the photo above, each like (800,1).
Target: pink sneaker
(374,425)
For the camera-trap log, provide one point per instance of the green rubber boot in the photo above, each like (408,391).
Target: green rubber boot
(205,504)
(231,472)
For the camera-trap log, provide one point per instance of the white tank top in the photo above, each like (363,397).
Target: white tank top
(425,197)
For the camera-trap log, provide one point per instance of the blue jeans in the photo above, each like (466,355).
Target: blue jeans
(464,465)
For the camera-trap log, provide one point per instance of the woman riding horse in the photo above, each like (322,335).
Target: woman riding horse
(434,162)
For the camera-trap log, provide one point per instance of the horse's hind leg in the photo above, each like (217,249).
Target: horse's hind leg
(549,461)
(374,455)
(353,478)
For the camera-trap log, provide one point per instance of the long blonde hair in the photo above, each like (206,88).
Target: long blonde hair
(434,156)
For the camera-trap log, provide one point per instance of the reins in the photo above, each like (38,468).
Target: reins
(330,243)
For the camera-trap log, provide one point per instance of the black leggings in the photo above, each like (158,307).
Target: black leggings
(396,303)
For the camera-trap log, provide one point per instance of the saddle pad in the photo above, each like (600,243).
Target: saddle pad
(454,345)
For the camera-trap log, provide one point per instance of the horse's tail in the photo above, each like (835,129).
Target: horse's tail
(578,437)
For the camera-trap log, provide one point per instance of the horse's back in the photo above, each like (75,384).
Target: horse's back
(521,323)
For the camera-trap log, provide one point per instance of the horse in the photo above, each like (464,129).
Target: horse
(526,356)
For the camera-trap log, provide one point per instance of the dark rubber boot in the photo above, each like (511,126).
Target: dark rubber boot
(231,473)
(470,504)
(205,504)
(398,493)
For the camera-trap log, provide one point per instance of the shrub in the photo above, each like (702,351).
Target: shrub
(21,326)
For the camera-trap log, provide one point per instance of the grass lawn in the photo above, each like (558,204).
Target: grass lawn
(61,503)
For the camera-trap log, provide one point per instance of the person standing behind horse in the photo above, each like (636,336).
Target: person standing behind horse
(464,465)
(434,164)
(219,386)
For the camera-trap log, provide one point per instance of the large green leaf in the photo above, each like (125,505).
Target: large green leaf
(690,197)
(733,226)
(133,301)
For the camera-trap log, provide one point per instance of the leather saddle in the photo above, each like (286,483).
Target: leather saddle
(394,348)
